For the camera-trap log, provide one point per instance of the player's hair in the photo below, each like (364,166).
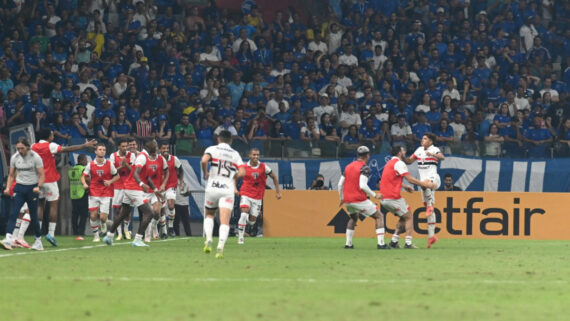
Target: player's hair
(100,144)
(447,175)
(225,136)
(44,133)
(252,149)
(131,139)
(81,157)
(148,142)
(121,140)
(24,141)
(164,143)
(431,136)
(396,150)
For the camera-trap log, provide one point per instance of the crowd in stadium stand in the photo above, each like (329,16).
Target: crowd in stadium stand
(489,78)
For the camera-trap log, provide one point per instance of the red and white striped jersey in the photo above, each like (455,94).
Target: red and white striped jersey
(224,164)
(100,173)
(427,165)
(124,172)
(173,164)
(253,185)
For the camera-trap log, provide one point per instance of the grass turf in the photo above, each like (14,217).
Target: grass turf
(288,279)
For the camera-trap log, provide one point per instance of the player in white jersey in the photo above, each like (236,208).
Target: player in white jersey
(428,156)
(226,166)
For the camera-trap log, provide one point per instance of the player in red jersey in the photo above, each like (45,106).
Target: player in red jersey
(252,191)
(157,171)
(47,149)
(394,172)
(123,161)
(138,186)
(175,179)
(102,174)
(354,192)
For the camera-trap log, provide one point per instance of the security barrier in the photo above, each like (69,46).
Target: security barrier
(498,215)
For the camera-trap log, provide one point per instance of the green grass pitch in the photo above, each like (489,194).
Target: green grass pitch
(288,279)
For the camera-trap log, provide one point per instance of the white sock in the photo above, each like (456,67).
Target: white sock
(110,234)
(428,197)
(224,231)
(171,215)
(395,237)
(138,237)
(380,235)
(148,231)
(23,227)
(41,226)
(408,240)
(431,225)
(17,228)
(9,237)
(94,226)
(154,224)
(349,235)
(242,223)
(208,228)
(51,229)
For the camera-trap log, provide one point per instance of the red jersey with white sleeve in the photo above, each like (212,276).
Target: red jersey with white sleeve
(352,193)
(253,185)
(124,172)
(130,183)
(47,150)
(155,168)
(392,176)
(100,173)
(427,165)
(173,164)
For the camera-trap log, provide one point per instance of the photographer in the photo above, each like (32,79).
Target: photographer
(319,183)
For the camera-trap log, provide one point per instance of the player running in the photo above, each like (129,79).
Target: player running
(158,173)
(353,191)
(123,160)
(47,150)
(175,178)
(137,185)
(428,156)
(394,172)
(252,191)
(102,174)
(225,166)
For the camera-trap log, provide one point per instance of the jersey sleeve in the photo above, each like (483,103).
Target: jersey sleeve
(401,168)
(113,169)
(87,170)
(112,158)
(164,163)
(237,159)
(177,162)
(208,151)
(140,161)
(365,171)
(268,170)
(436,150)
(132,159)
(54,148)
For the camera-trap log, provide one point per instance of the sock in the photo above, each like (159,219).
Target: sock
(242,223)
(224,231)
(138,237)
(104,226)
(395,238)
(171,215)
(349,235)
(428,197)
(431,225)
(9,237)
(208,228)
(23,227)
(154,224)
(51,229)
(380,235)
(408,240)
(148,231)
(94,227)
(110,235)
(162,224)
(17,228)
(250,223)
(41,226)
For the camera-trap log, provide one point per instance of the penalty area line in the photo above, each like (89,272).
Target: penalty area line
(87,247)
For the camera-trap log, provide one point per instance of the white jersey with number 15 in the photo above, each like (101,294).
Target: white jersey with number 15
(224,164)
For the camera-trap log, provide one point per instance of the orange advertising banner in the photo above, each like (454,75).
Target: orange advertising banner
(499,215)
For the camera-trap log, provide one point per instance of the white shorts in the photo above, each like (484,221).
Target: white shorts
(134,198)
(103,203)
(118,196)
(398,207)
(169,194)
(50,192)
(434,179)
(152,198)
(215,199)
(366,208)
(252,204)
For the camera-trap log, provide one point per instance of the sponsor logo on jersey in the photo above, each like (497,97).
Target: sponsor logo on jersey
(255,175)
(100,172)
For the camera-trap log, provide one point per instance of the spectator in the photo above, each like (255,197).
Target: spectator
(143,127)
(104,134)
(369,134)
(564,139)
(319,183)
(122,128)
(402,133)
(163,131)
(538,138)
(470,140)
(448,185)
(513,145)
(493,142)
(351,141)
(445,136)
(205,133)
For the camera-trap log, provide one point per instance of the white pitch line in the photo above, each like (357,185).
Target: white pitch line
(279,280)
(30,252)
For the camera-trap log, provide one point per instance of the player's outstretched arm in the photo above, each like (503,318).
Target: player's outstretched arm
(340,189)
(73,148)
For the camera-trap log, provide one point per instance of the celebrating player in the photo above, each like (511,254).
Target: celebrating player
(123,161)
(353,190)
(157,172)
(390,186)
(225,166)
(175,178)
(27,169)
(428,156)
(103,174)
(252,190)
(46,148)
(136,189)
